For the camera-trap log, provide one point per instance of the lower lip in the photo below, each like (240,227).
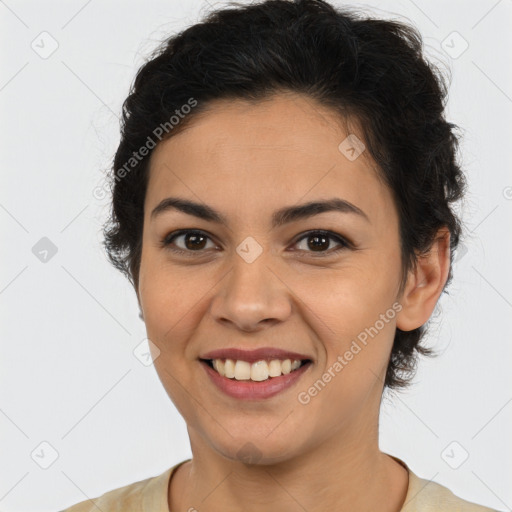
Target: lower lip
(251,390)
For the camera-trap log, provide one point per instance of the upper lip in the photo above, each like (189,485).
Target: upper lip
(251,356)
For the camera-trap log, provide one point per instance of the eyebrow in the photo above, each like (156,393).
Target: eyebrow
(279,218)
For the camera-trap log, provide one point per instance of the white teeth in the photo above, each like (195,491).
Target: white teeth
(274,368)
(242,370)
(295,364)
(258,371)
(229,369)
(219,365)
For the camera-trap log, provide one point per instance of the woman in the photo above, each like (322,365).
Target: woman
(282,206)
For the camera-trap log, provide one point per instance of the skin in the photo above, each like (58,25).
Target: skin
(246,161)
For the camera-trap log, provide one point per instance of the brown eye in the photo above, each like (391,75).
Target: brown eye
(191,241)
(319,242)
(194,241)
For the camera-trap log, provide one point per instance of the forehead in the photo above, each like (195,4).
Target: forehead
(286,149)
(281,122)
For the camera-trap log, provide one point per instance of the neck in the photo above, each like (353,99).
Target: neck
(346,470)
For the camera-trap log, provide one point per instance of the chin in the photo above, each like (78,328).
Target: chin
(257,451)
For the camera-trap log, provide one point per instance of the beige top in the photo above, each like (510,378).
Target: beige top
(150,495)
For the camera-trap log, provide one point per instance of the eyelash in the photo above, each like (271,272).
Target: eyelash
(168,240)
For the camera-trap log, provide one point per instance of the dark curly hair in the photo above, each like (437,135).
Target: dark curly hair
(371,70)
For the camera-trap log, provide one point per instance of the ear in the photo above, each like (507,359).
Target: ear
(425,284)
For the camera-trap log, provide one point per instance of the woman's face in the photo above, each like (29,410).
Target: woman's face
(252,283)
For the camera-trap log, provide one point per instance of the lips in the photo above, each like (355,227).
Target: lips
(251,356)
(251,390)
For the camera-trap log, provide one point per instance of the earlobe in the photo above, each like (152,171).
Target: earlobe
(425,283)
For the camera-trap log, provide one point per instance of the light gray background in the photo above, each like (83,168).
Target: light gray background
(70,324)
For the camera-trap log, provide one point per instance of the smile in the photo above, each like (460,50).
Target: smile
(259,380)
(258,371)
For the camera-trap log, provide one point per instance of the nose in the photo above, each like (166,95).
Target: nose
(251,296)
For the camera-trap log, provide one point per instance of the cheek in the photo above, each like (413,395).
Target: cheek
(171,315)
(351,313)
(175,304)
(356,342)
(166,289)
(346,300)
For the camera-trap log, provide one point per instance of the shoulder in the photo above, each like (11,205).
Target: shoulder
(147,494)
(428,496)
